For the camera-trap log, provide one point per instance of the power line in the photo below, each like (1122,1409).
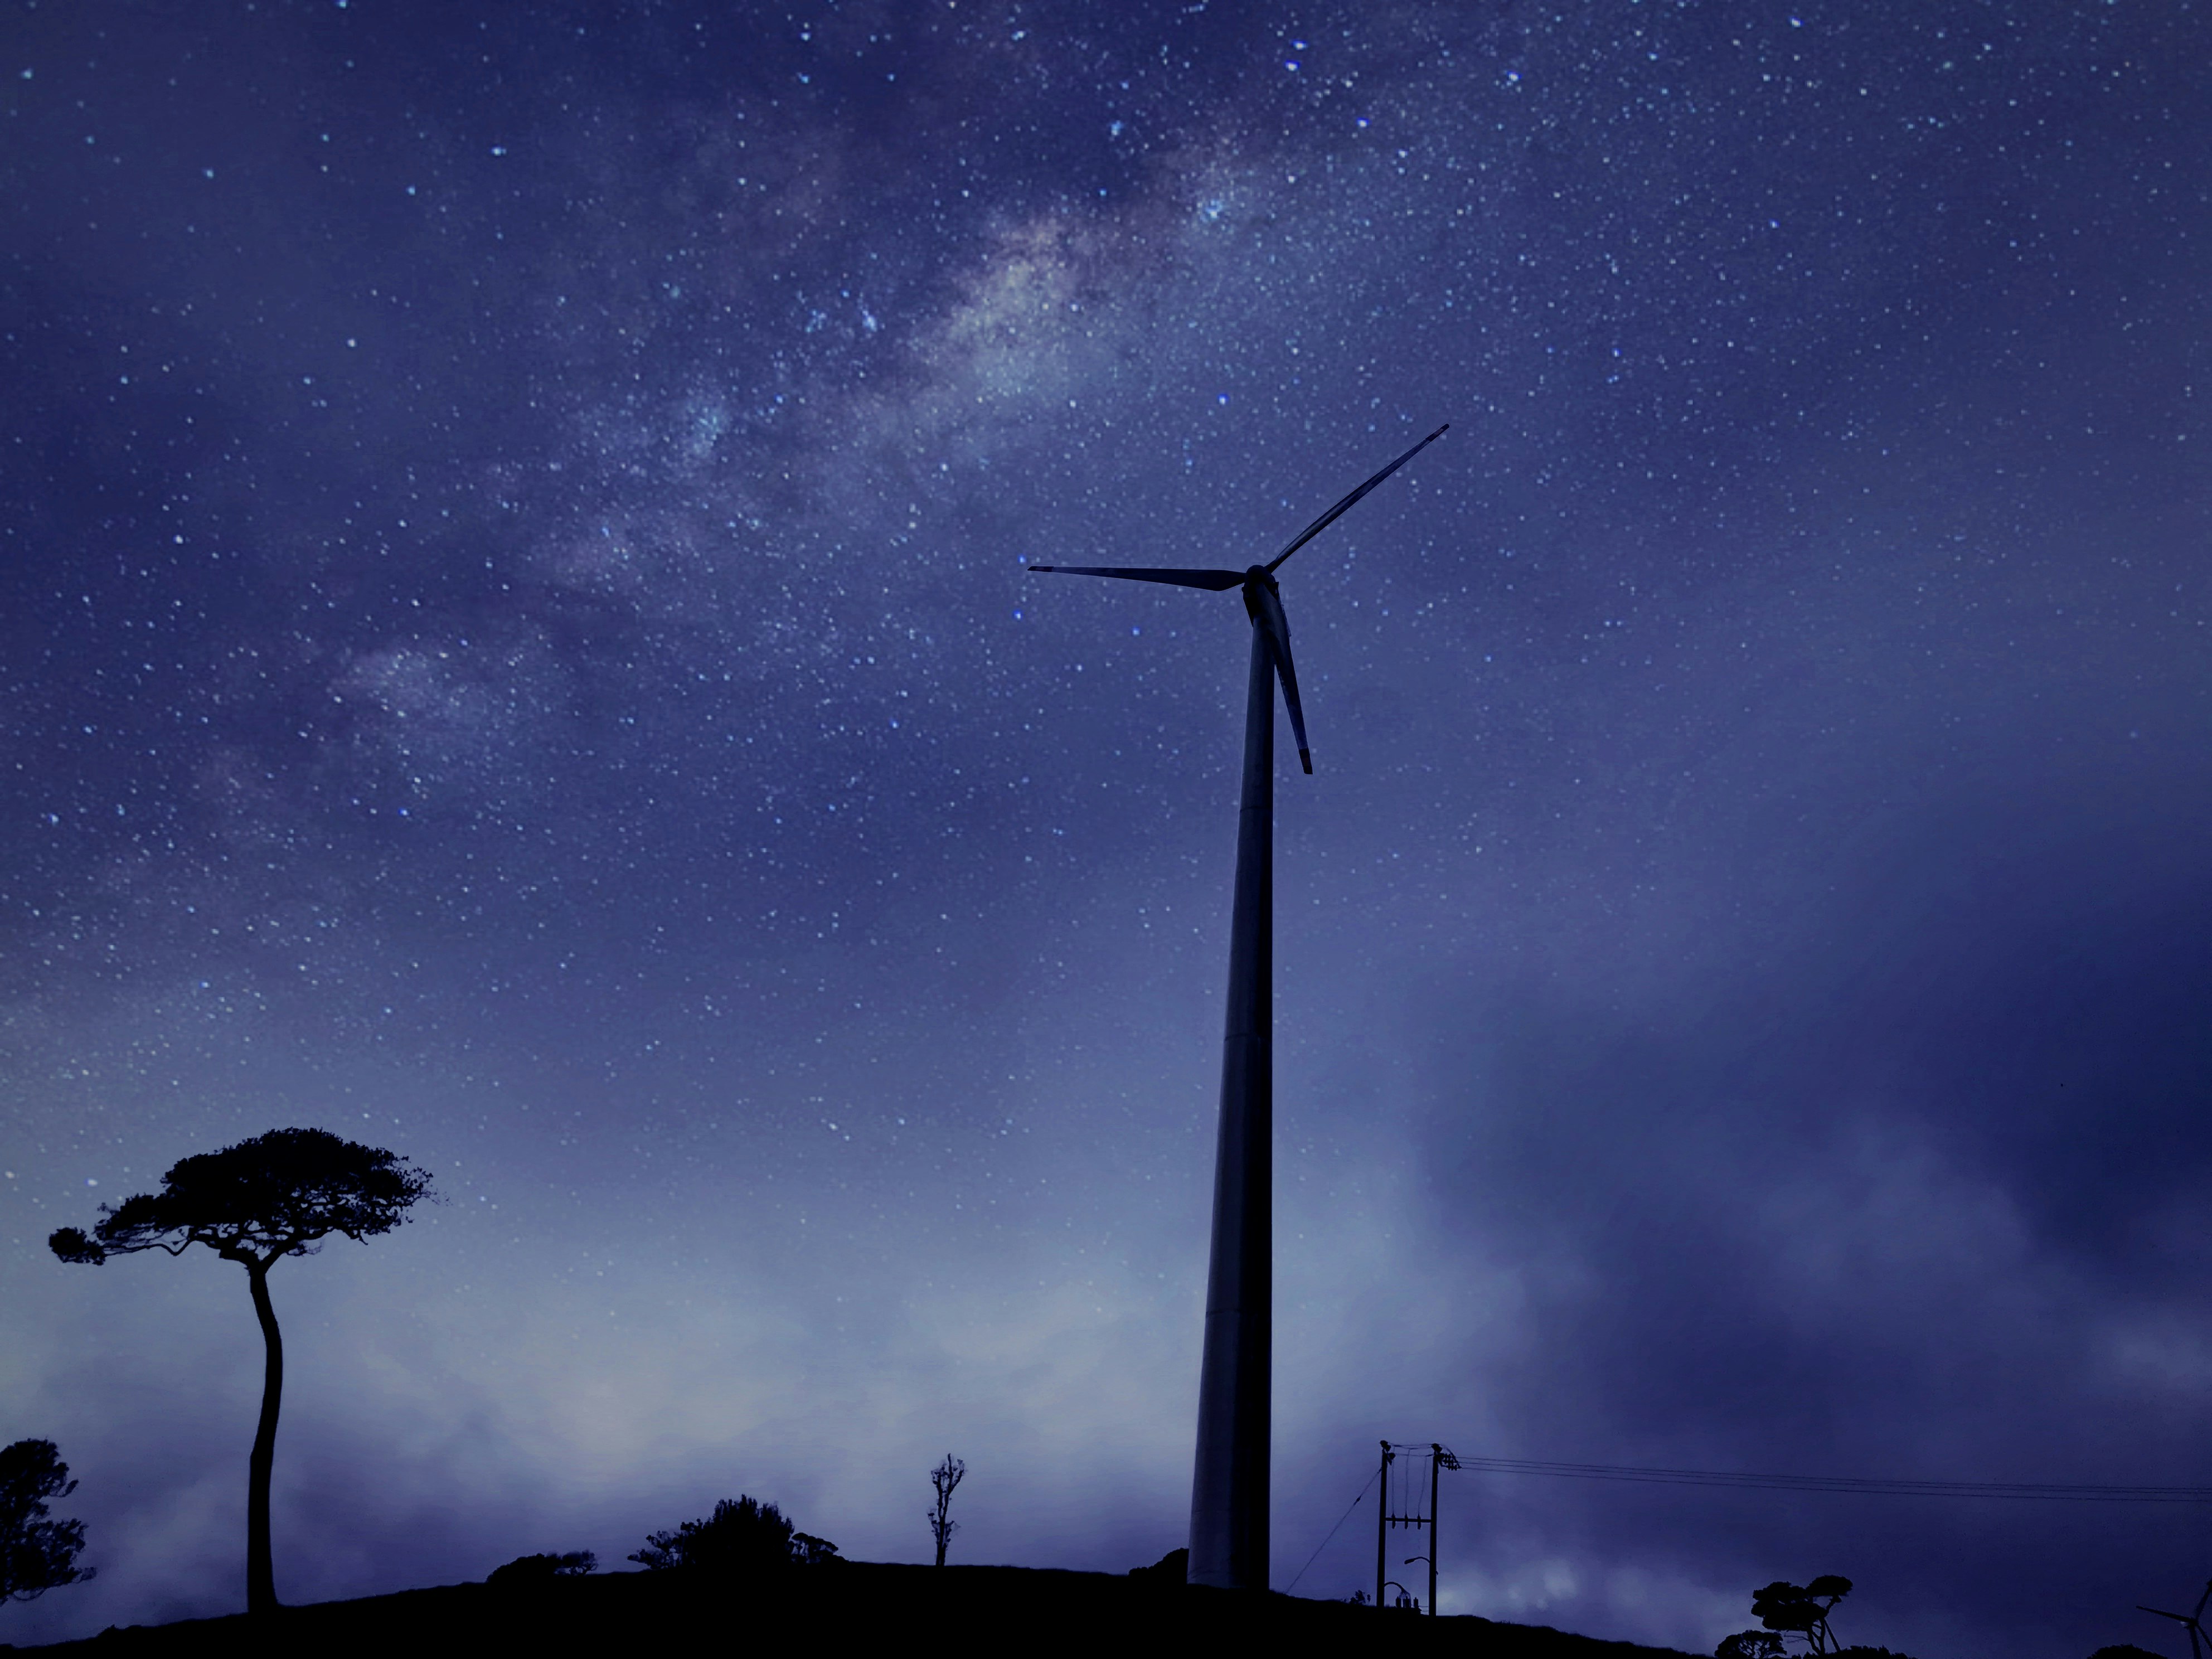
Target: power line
(2050,1491)
(1333,1532)
(2044,1490)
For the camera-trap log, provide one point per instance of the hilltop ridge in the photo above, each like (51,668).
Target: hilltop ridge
(892,1602)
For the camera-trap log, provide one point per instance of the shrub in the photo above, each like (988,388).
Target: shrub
(744,1539)
(527,1570)
(1170,1569)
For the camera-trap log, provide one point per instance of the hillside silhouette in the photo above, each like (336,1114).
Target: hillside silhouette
(897,1605)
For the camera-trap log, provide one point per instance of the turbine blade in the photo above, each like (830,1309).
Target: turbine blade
(1278,642)
(1214,581)
(1346,504)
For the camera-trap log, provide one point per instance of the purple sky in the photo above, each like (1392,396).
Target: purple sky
(514,648)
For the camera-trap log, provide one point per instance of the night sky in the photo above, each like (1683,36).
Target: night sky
(514,647)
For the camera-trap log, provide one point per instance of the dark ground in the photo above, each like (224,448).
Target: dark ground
(988,1609)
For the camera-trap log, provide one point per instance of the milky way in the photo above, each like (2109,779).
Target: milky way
(515,648)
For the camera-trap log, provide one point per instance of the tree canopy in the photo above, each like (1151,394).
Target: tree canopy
(743,1538)
(1793,1609)
(272,1196)
(1801,1609)
(36,1554)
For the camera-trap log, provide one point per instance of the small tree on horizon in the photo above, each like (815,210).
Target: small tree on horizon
(944,1477)
(36,1554)
(255,1203)
(531,1569)
(743,1538)
(1787,1609)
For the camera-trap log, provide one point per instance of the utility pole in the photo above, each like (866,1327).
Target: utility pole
(1440,1458)
(1435,1461)
(1382,1529)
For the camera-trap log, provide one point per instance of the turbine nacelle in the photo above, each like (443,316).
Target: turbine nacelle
(1263,600)
(1265,605)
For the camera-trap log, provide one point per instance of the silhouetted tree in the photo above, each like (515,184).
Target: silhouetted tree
(254,1203)
(36,1554)
(808,1551)
(741,1539)
(1796,1610)
(527,1570)
(944,1477)
(1173,1568)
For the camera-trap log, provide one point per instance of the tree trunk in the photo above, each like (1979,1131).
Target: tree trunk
(260,1575)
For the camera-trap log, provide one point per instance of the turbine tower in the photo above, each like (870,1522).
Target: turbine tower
(1229,1485)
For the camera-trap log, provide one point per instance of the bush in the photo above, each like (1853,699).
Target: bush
(1767,1644)
(741,1539)
(527,1570)
(1173,1568)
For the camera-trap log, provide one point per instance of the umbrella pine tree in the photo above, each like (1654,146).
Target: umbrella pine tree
(278,1194)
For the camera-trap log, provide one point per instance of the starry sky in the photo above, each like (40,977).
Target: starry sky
(514,647)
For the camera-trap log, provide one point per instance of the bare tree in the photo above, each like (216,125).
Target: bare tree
(264,1199)
(944,1477)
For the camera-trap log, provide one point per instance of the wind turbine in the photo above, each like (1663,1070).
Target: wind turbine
(1229,1484)
(2189,1621)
